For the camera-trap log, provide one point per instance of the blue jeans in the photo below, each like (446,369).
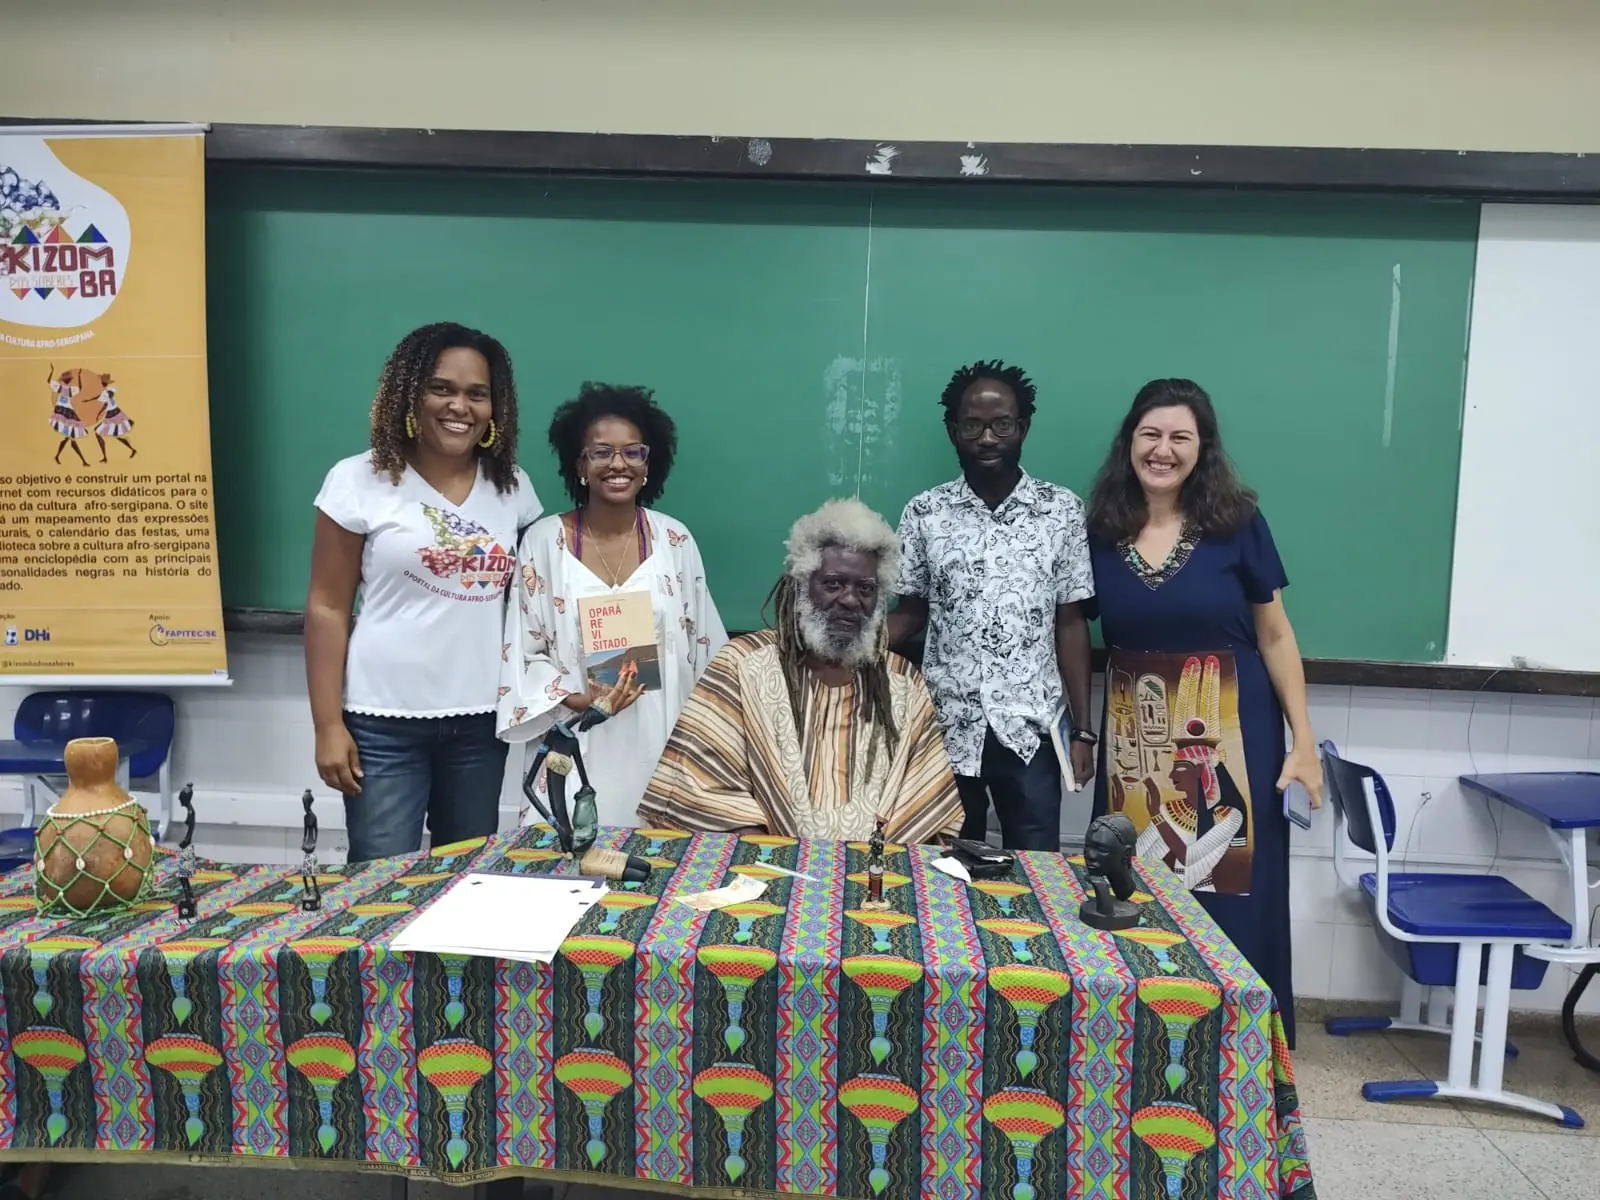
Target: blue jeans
(1027,796)
(445,770)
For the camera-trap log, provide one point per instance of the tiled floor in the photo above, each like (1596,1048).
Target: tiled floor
(1358,1151)
(1418,1151)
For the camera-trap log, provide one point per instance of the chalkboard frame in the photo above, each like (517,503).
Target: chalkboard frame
(1486,175)
(1500,175)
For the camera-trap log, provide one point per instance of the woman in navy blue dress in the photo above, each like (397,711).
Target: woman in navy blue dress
(1203,669)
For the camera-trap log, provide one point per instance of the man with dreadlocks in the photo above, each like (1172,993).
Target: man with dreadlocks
(813,728)
(996,571)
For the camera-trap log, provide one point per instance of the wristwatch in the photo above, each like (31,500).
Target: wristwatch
(1087,736)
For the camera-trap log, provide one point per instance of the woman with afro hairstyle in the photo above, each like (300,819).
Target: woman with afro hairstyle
(641,568)
(422,529)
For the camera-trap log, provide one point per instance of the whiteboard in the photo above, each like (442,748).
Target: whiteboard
(1526,581)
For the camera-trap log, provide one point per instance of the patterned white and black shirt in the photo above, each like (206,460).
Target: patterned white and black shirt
(992,581)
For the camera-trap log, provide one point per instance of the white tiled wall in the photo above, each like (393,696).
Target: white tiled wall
(248,751)
(1421,742)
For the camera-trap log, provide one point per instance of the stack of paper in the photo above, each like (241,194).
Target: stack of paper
(520,917)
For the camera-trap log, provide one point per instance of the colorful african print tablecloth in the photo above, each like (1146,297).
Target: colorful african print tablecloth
(975,1040)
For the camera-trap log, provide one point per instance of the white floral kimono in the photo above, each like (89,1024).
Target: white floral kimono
(542,658)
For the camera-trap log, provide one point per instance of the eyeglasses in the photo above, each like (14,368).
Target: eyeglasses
(972,429)
(637,454)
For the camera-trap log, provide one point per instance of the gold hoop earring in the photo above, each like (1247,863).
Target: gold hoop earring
(411,426)
(489,439)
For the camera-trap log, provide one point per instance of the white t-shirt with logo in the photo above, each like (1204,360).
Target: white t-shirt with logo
(431,604)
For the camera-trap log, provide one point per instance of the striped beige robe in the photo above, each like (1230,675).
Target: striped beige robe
(736,761)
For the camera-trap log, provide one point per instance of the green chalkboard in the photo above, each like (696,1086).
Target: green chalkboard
(800,336)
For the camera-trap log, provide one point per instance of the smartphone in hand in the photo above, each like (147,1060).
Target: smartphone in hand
(1297,804)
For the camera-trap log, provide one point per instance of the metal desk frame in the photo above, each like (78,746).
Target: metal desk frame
(1569,830)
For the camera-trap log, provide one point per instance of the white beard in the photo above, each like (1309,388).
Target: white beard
(855,651)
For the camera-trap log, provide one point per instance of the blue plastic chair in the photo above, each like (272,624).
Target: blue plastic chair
(141,722)
(1438,928)
(16,849)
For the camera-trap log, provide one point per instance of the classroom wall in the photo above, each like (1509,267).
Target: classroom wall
(1464,74)
(248,751)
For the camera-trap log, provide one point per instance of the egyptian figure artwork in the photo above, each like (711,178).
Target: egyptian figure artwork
(1174,729)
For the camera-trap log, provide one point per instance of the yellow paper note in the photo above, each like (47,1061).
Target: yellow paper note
(741,889)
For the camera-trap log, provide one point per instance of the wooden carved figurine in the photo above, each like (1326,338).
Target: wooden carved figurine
(576,829)
(875,901)
(188,860)
(94,848)
(311,897)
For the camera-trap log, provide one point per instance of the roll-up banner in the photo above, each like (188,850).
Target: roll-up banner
(108,554)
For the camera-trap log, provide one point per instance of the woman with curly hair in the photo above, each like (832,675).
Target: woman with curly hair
(1203,670)
(422,527)
(612,564)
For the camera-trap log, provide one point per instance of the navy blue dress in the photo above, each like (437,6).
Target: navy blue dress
(1193,738)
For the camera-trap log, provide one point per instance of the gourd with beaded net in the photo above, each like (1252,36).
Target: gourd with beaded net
(94,848)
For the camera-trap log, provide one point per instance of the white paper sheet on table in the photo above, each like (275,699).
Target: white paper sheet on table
(520,917)
(953,867)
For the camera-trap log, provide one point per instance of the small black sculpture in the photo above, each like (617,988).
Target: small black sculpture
(576,830)
(1108,849)
(188,860)
(875,865)
(311,901)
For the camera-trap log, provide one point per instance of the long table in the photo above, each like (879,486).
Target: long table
(976,1040)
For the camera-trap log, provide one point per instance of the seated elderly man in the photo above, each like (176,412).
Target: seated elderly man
(813,729)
